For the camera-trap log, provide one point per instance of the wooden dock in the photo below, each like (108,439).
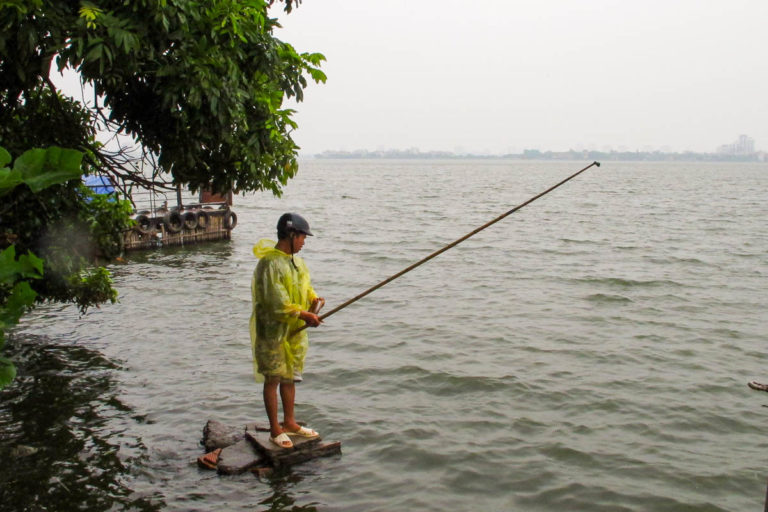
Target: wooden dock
(186,226)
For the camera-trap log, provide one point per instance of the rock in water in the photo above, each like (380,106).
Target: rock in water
(238,458)
(219,435)
(23,451)
(248,448)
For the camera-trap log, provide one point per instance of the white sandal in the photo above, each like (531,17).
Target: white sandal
(281,439)
(303,432)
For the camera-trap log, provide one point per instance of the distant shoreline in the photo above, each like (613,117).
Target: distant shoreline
(534,154)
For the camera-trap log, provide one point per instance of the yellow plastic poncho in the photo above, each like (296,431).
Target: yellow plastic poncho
(280,292)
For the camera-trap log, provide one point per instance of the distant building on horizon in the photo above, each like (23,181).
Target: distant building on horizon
(744,145)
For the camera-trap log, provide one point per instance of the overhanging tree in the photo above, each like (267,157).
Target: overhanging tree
(197,85)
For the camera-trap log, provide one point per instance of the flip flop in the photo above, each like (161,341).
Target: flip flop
(210,459)
(303,432)
(282,440)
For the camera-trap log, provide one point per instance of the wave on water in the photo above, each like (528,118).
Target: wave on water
(602,298)
(582,241)
(439,383)
(619,282)
(667,260)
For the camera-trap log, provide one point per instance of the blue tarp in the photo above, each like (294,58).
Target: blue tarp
(99,184)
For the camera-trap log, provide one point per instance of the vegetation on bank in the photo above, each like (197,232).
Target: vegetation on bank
(196,88)
(54,229)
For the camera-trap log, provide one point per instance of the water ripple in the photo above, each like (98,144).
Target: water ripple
(589,353)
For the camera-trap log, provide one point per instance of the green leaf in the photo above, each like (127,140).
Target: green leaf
(7,371)
(5,157)
(42,168)
(317,75)
(9,180)
(31,266)
(314,58)
(94,53)
(8,265)
(22,297)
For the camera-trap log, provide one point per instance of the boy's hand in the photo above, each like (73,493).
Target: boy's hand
(310,319)
(317,305)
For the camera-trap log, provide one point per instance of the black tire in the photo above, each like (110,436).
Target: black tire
(190,220)
(203,220)
(144,224)
(230,220)
(173,222)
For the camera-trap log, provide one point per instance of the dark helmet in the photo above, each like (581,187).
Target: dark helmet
(292,222)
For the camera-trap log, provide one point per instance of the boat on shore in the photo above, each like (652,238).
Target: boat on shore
(180,225)
(193,219)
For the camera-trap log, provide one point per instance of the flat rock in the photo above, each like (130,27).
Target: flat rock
(249,448)
(238,458)
(219,435)
(257,427)
(303,449)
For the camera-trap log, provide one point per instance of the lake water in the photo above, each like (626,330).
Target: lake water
(590,352)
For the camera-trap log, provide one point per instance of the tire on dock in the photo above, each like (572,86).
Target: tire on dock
(144,224)
(230,219)
(203,219)
(173,222)
(190,220)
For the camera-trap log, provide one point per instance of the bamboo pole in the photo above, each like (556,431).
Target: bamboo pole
(449,246)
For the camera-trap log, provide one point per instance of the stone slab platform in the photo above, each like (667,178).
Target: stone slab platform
(303,449)
(249,449)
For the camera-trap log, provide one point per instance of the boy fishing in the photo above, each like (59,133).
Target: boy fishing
(283,302)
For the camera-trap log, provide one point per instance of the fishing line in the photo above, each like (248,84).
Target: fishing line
(449,246)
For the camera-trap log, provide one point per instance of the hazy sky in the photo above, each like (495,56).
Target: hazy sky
(500,76)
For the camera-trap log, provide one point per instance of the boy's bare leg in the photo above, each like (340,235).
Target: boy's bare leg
(288,396)
(270,404)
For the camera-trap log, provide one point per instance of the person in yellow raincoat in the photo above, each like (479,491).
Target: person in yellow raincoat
(282,299)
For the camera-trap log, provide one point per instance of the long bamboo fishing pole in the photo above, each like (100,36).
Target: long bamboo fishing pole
(449,246)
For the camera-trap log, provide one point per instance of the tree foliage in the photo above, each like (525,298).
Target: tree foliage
(200,85)
(47,212)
